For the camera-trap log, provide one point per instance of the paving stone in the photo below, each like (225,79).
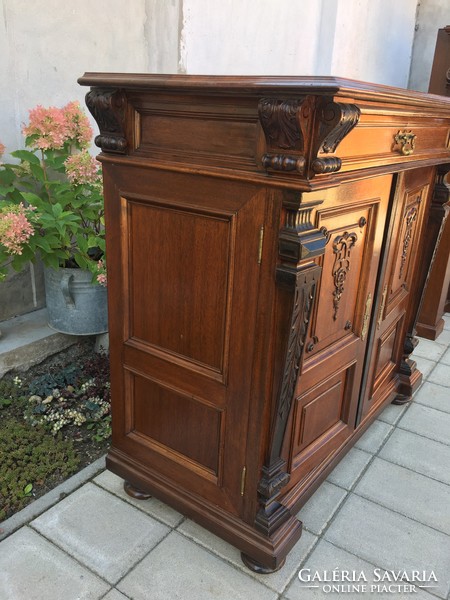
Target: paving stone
(434,395)
(374,437)
(427,422)
(424,365)
(440,375)
(429,349)
(179,569)
(115,595)
(446,358)
(350,468)
(446,318)
(317,512)
(444,337)
(276,581)
(391,541)
(101,531)
(408,493)
(419,454)
(152,506)
(32,568)
(326,557)
(392,413)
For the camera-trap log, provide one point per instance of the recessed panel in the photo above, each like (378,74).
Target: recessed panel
(179,281)
(176,423)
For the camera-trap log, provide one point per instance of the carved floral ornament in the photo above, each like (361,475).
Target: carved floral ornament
(288,126)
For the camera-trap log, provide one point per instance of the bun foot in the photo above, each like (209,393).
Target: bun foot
(135,492)
(257,567)
(401,399)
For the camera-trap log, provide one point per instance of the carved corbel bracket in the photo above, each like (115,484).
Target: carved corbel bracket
(284,138)
(296,129)
(108,107)
(336,120)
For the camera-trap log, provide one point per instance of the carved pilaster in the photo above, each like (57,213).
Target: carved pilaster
(297,285)
(108,106)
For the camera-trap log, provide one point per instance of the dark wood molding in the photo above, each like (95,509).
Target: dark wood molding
(336,120)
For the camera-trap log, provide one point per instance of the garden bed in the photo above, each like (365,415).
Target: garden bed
(54,421)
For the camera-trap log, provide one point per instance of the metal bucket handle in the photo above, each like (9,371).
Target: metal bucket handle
(65,281)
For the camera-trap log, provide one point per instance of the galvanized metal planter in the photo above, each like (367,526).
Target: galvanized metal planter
(75,305)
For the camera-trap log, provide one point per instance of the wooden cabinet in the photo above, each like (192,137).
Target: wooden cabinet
(436,300)
(268,240)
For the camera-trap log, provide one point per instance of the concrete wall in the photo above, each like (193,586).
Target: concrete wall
(431,16)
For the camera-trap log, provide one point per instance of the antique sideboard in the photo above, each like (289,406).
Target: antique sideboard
(268,239)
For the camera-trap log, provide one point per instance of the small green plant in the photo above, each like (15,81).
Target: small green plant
(78,396)
(30,457)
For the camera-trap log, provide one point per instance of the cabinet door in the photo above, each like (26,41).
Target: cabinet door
(182,310)
(327,392)
(396,286)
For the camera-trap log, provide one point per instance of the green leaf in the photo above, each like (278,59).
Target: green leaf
(27,489)
(38,172)
(26,156)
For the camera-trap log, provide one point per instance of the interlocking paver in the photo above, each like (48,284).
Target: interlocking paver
(419,454)
(434,395)
(101,531)
(179,569)
(326,557)
(374,437)
(427,422)
(350,468)
(276,581)
(391,541)
(409,493)
(152,506)
(31,568)
(317,512)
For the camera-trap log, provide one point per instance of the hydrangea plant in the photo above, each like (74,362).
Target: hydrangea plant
(51,201)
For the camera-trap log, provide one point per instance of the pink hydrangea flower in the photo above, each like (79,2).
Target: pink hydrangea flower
(49,125)
(79,128)
(2,149)
(102,277)
(82,168)
(15,228)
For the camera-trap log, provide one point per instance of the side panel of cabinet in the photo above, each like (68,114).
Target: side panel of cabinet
(326,396)
(183,313)
(396,286)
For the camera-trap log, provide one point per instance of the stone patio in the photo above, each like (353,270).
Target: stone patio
(386,506)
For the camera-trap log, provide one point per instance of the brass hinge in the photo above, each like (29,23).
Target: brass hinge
(243,478)
(260,247)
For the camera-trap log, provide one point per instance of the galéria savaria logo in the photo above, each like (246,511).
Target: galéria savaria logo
(379,581)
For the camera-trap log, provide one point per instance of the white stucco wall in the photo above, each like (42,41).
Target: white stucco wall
(362,39)
(46,46)
(431,16)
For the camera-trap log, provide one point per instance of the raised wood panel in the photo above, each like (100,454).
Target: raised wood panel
(180,294)
(176,424)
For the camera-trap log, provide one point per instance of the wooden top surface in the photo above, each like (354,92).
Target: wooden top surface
(226,84)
